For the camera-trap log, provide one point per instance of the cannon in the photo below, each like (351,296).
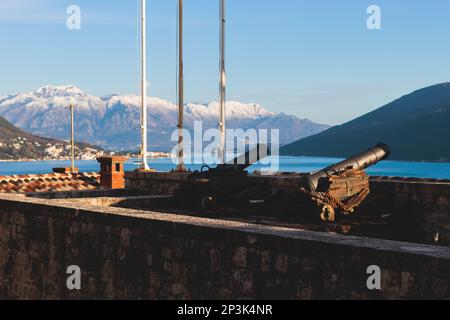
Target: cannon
(336,190)
(361,161)
(342,187)
(227,185)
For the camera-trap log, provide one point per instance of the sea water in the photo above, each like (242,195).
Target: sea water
(286,164)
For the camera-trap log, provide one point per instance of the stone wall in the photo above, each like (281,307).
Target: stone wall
(155,183)
(421,206)
(130,254)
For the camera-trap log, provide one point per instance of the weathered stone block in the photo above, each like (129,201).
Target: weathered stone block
(240,257)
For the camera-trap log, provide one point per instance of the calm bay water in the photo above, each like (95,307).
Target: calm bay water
(287,164)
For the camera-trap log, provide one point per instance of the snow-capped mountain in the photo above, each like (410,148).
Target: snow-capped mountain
(113,121)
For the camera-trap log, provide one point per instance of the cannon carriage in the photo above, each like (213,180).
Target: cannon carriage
(227,185)
(341,187)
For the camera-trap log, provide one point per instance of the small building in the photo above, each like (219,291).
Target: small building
(112,174)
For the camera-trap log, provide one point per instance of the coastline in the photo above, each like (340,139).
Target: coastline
(152,155)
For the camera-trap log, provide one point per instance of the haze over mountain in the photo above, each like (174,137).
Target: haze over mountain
(113,121)
(416,127)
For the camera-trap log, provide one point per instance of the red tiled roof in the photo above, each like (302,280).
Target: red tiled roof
(49,182)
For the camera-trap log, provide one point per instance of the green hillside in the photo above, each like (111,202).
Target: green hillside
(416,127)
(17,144)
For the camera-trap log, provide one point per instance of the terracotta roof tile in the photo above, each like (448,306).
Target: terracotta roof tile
(49,182)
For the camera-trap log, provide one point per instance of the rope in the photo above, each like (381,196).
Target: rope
(347,206)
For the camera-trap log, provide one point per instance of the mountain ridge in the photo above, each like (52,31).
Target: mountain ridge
(113,121)
(414,125)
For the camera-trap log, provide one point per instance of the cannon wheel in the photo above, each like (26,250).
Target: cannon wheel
(208,203)
(327,213)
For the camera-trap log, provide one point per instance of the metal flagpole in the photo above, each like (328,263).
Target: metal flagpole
(180,167)
(72,139)
(144,165)
(222,121)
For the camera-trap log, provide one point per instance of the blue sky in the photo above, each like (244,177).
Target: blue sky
(315,59)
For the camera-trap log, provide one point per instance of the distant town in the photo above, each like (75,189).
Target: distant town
(59,151)
(17,144)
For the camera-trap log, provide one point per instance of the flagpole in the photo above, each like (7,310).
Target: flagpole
(72,140)
(144,164)
(180,167)
(222,120)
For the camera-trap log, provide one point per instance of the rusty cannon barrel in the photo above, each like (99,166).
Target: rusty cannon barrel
(361,161)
